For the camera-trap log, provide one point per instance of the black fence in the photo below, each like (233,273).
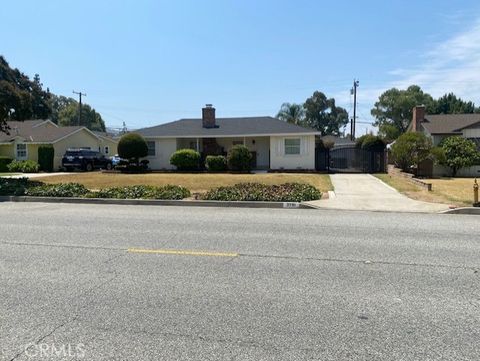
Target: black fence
(350,160)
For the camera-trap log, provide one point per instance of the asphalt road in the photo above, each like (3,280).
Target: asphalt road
(272,285)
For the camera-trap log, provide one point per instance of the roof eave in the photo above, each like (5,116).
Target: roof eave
(232,135)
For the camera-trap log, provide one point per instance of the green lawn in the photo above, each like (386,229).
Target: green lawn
(195,182)
(455,191)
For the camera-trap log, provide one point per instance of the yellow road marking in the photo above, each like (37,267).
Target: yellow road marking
(183,252)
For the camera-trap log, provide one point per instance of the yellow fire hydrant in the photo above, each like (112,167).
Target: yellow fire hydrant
(475,194)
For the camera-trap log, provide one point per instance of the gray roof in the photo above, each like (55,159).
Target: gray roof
(449,123)
(227,127)
(30,131)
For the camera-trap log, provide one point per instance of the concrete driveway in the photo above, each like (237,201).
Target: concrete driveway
(365,192)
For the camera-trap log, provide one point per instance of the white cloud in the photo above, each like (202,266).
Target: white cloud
(449,66)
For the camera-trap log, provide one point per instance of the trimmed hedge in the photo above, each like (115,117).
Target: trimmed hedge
(58,190)
(186,159)
(46,154)
(216,163)
(16,186)
(4,162)
(132,146)
(370,142)
(239,158)
(23,166)
(287,192)
(142,192)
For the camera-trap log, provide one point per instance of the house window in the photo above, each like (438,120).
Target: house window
(107,150)
(21,151)
(151,148)
(292,146)
(238,142)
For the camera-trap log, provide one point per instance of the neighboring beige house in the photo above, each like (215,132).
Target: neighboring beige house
(273,143)
(441,126)
(25,137)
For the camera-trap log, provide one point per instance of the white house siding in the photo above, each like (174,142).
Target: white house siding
(304,160)
(164,148)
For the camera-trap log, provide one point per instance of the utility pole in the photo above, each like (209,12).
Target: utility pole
(79,106)
(354,119)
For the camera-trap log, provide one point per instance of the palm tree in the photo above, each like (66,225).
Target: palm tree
(292,113)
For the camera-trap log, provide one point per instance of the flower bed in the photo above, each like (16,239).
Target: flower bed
(287,192)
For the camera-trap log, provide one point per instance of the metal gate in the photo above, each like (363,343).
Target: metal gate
(350,160)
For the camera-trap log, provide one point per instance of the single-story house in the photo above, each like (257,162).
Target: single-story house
(274,144)
(440,126)
(25,137)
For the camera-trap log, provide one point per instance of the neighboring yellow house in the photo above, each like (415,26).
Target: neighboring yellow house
(25,137)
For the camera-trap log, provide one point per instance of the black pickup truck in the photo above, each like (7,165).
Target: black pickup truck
(85,159)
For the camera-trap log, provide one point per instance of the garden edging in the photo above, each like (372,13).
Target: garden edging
(158,202)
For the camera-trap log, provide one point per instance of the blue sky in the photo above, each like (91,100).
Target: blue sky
(150,62)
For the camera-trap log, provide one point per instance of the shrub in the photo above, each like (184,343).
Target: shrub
(288,192)
(23,166)
(58,190)
(16,186)
(132,146)
(239,158)
(216,163)
(142,192)
(458,153)
(4,162)
(185,159)
(127,167)
(325,144)
(370,142)
(410,149)
(46,154)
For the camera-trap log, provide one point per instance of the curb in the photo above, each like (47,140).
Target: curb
(463,210)
(158,202)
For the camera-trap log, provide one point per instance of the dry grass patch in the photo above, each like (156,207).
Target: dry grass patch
(454,191)
(195,182)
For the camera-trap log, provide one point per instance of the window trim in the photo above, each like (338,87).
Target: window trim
(292,146)
(26,151)
(154,148)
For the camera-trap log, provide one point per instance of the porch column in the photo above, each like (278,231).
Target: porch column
(198,145)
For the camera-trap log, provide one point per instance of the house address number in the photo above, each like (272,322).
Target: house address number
(291,205)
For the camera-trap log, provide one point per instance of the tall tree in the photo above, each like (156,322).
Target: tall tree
(322,114)
(292,113)
(90,118)
(451,104)
(20,97)
(58,103)
(393,110)
(458,153)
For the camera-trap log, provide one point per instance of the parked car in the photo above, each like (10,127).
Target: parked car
(85,159)
(115,160)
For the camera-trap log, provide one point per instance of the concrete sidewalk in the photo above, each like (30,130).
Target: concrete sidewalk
(37,175)
(365,192)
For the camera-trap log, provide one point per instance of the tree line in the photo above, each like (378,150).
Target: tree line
(392,111)
(22,99)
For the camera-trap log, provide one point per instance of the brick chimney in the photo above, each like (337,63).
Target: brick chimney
(418,117)
(208,116)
